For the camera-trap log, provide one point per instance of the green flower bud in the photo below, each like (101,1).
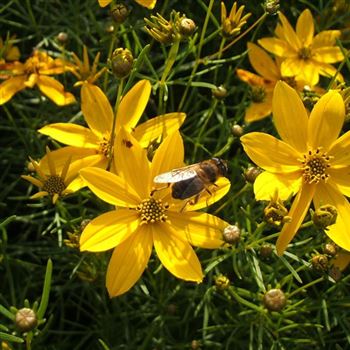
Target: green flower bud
(186,26)
(251,174)
(122,62)
(272,6)
(237,130)
(119,13)
(219,92)
(231,234)
(26,319)
(319,263)
(222,282)
(324,216)
(274,300)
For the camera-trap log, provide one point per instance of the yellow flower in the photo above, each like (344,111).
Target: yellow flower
(90,146)
(8,52)
(49,181)
(142,219)
(145,3)
(231,25)
(310,161)
(305,55)
(82,70)
(35,71)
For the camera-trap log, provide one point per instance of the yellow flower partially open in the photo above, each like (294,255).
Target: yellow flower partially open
(311,161)
(305,55)
(143,219)
(35,71)
(145,3)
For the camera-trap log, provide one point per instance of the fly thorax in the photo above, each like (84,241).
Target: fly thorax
(152,210)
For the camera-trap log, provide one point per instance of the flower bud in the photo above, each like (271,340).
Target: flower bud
(26,319)
(62,37)
(274,300)
(237,130)
(122,62)
(275,213)
(222,282)
(319,262)
(219,92)
(324,216)
(186,26)
(266,250)
(195,345)
(231,234)
(251,174)
(109,28)
(330,249)
(119,13)
(272,6)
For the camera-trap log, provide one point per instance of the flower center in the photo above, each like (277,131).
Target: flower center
(304,53)
(258,94)
(152,210)
(290,81)
(105,147)
(315,165)
(54,184)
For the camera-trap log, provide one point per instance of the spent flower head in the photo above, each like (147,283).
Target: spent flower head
(8,52)
(231,25)
(145,218)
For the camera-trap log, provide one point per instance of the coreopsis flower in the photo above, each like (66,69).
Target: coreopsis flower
(82,69)
(305,55)
(8,52)
(310,161)
(144,218)
(145,3)
(51,182)
(36,70)
(91,146)
(231,25)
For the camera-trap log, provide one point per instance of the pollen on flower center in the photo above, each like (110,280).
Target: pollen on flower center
(315,165)
(54,184)
(152,210)
(304,53)
(105,147)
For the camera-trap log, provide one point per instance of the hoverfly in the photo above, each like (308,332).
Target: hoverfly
(192,180)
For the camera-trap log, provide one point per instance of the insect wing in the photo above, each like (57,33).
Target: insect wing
(177,175)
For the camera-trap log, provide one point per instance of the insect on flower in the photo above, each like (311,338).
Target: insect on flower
(192,180)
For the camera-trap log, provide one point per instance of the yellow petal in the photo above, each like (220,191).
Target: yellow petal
(168,156)
(54,90)
(339,178)
(328,54)
(309,71)
(199,229)
(147,3)
(109,187)
(325,38)
(133,104)
(291,67)
(266,185)
(72,135)
(158,128)
(132,164)
(305,28)
(176,254)
(329,71)
(342,260)
(104,3)
(259,110)
(96,109)
(254,79)
(128,261)
(339,150)
(10,87)
(262,62)
(297,212)
(289,34)
(109,230)
(278,47)
(290,116)
(270,153)
(326,120)
(33,180)
(339,233)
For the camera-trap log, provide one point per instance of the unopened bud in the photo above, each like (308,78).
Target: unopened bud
(272,6)
(119,13)
(83,224)
(219,92)
(237,130)
(122,62)
(275,213)
(109,29)
(26,319)
(274,300)
(330,249)
(62,37)
(232,234)
(266,250)
(222,282)
(319,262)
(251,174)
(186,26)
(324,216)
(195,345)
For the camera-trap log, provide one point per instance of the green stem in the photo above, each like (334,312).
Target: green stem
(198,60)
(306,286)
(223,40)
(110,52)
